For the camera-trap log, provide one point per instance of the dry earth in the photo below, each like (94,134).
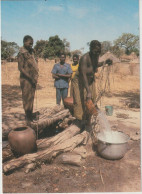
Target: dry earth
(96,174)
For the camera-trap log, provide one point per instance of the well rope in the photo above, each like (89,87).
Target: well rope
(37,115)
(102,90)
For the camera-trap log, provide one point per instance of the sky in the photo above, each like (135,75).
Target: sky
(79,21)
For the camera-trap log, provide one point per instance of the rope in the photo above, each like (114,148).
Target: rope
(37,115)
(102,90)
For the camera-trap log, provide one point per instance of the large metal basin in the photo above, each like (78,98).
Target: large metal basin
(113,148)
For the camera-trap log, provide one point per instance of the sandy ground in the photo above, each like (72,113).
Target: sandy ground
(97,174)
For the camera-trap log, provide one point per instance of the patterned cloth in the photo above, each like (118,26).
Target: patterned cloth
(26,60)
(74,69)
(28,93)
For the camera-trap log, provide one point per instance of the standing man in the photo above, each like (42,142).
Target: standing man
(28,68)
(61,72)
(84,81)
(74,68)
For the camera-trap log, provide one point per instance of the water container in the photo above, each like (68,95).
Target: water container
(109,110)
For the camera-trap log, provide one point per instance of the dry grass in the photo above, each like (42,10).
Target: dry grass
(120,81)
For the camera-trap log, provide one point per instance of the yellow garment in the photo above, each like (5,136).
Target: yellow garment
(79,95)
(74,69)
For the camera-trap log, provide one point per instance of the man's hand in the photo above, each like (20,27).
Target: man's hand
(55,76)
(34,82)
(109,62)
(66,76)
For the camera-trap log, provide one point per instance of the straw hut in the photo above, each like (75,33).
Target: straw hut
(135,66)
(110,56)
(103,58)
(137,60)
(128,58)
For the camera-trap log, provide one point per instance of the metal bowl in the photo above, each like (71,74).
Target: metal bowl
(113,148)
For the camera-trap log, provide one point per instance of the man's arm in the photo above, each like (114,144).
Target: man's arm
(83,70)
(100,64)
(108,61)
(68,73)
(64,76)
(54,72)
(55,76)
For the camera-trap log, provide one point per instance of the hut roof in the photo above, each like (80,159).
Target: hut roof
(110,56)
(131,57)
(135,60)
(127,57)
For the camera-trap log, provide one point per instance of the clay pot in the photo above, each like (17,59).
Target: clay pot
(68,102)
(22,140)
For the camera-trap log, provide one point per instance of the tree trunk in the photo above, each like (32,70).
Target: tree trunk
(46,142)
(46,117)
(7,154)
(43,123)
(66,141)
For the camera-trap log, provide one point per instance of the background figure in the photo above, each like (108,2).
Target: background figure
(27,65)
(74,67)
(61,72)
(84,81)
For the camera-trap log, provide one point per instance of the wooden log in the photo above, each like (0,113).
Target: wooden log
(73,158)
(47,155)
(40,125)
(66,122)
(59,138)
(46,117)
(70,158)
(7,154)
(47,142)
(81,150)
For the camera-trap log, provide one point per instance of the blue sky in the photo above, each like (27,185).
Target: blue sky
(79,21)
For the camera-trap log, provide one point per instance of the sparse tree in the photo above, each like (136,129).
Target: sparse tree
(105,47)
(8,49)
(78,52)
(129,42)
(39,47)
(54,47)
(67,46)
(117,51)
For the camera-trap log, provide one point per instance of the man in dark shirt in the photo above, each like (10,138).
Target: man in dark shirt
(28,68)
(61,72)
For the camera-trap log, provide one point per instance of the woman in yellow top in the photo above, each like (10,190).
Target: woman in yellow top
(74,68)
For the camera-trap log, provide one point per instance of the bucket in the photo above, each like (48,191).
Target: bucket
(109,110)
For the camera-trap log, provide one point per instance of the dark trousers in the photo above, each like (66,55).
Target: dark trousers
(61,93)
